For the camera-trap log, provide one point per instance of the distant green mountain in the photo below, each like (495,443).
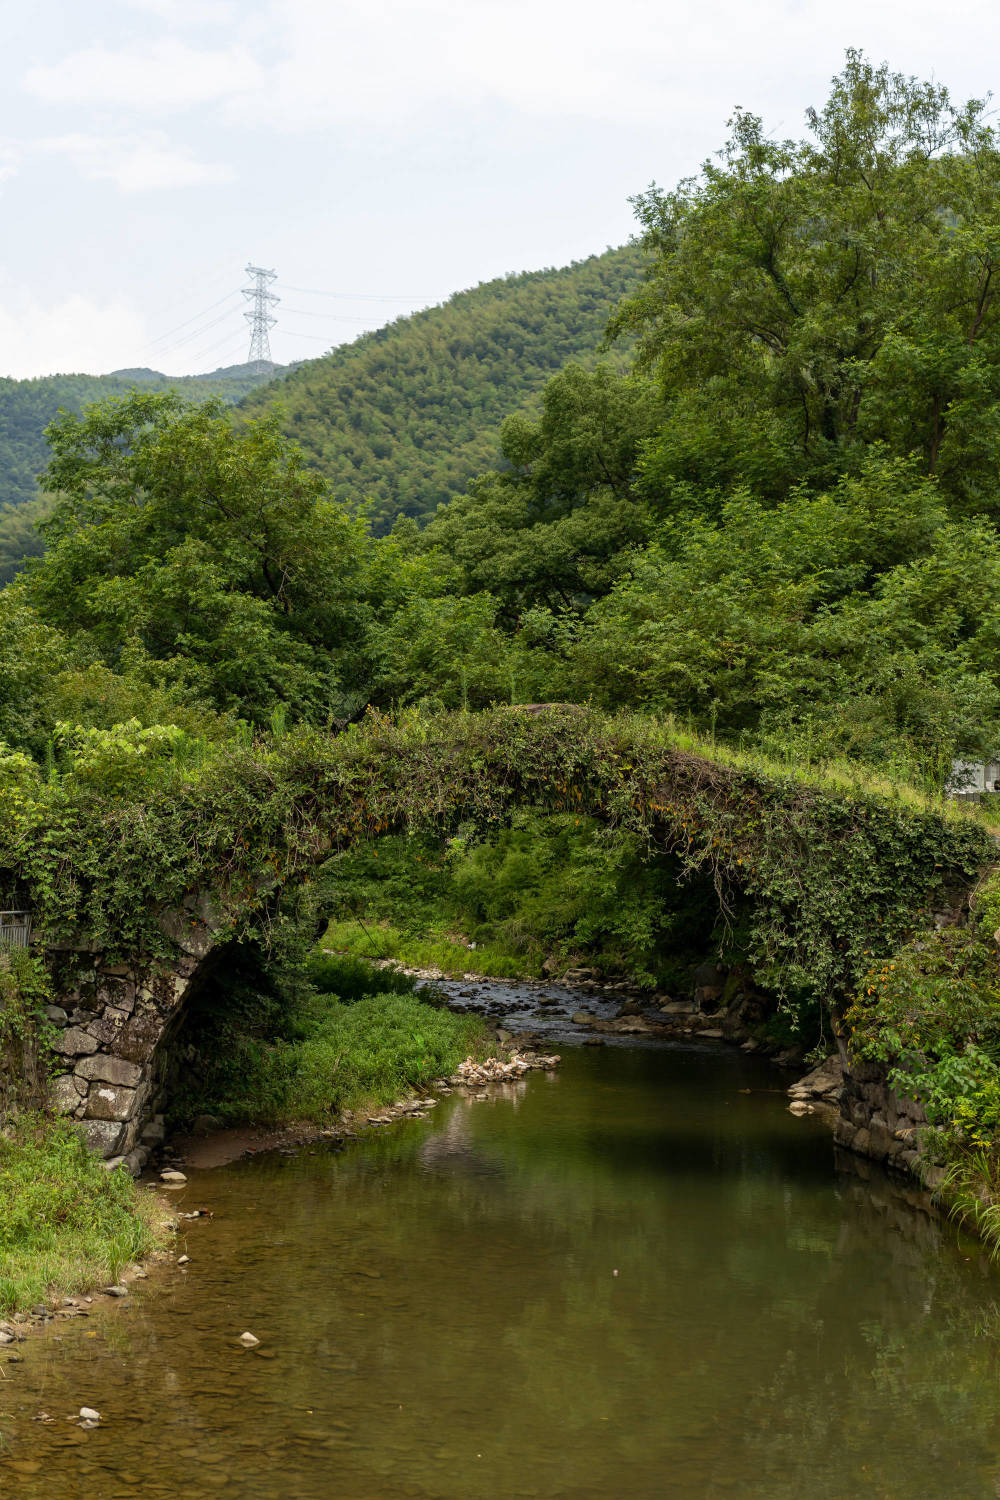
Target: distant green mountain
(28,406)
(407,415)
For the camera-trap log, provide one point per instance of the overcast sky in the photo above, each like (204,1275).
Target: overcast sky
(383,153)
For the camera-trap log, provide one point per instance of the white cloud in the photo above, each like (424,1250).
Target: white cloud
(158,77)
(306,64)
(657,62)
(10,160)
(189,12)
(76,333)
(135,164)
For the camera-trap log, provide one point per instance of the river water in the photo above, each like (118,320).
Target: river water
(637,1277)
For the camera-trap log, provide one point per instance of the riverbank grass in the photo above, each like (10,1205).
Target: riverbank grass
(378,1048)
(359,1039)
(66,1224)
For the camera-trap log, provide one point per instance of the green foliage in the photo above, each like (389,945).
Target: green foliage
(427,939)
(932,996)
(378,1048)
(66,1224)
(552,526)
(808,298)
(783,527)
(28,406)
(931,1015)
(960,1092)
(404,417)
(557,887)
(20,537)
(205,560)
(858,623)
(351,979)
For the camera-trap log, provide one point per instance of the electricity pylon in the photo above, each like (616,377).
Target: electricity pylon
(259,317)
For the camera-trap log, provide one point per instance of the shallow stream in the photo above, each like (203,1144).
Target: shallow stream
(636,1277)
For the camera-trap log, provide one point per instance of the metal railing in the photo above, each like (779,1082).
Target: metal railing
(15,929)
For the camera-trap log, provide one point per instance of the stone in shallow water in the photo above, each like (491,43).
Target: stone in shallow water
(249,1341)
(171,1175)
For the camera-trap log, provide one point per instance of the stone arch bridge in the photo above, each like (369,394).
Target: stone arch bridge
(141,893)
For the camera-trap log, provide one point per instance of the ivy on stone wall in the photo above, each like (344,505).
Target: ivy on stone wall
(25,1058)
(831,872)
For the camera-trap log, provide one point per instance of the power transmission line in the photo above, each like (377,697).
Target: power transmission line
(290,333)
(259,317)
(197,333)
(187,321)
(191,331)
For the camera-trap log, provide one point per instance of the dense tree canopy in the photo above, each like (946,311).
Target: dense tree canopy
(551,527)
(189,553)
(28,406)
(810,297)
(781,526)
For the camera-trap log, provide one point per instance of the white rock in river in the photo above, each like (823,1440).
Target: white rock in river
(170,1175)
(88,1414)
(248,1341)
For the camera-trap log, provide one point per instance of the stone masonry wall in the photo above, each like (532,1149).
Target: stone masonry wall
(878,1123)
(112,1022)
(110,1025)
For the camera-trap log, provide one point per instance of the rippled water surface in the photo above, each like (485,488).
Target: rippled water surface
(629,1279)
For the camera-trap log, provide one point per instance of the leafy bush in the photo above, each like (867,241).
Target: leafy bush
(960,1093)
(24,1033)
(933,995)
(350,979)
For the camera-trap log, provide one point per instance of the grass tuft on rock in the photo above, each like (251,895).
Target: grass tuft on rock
(66,1224)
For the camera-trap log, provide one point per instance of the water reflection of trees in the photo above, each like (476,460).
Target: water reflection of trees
(446,1322)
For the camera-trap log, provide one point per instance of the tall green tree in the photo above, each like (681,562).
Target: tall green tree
(552,525)
(206,558)
(809,297)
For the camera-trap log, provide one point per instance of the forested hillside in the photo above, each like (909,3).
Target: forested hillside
(407,415)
